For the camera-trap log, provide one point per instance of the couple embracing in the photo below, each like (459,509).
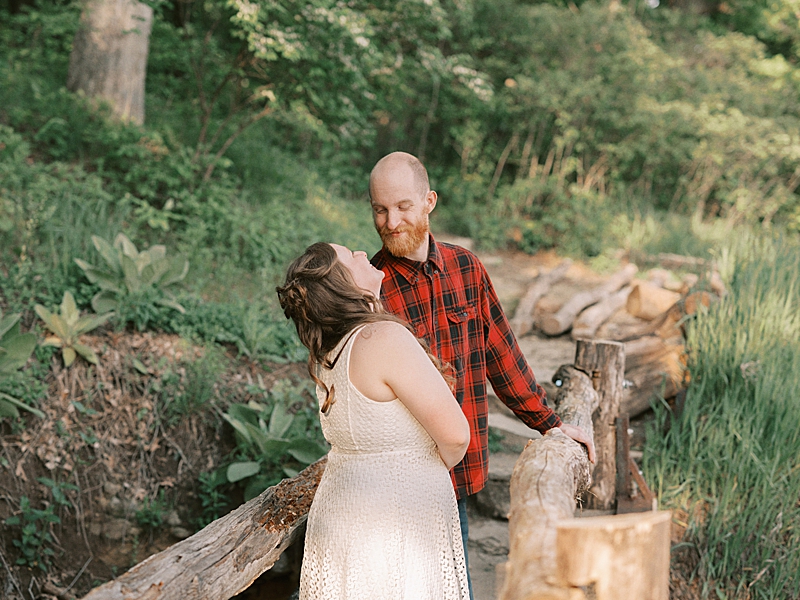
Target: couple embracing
(401,349)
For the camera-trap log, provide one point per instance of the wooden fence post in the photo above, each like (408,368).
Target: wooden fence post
(604,362)
(621,557)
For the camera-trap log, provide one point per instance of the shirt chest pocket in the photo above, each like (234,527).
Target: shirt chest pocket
(459,321)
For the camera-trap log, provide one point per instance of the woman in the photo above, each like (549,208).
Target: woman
(384,523)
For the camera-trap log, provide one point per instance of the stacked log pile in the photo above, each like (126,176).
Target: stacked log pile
(646,313)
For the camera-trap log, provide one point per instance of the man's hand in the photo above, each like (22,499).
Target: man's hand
(580,436)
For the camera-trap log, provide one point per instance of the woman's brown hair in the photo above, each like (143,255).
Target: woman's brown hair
(324,302)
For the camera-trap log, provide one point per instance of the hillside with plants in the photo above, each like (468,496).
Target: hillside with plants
(148,380)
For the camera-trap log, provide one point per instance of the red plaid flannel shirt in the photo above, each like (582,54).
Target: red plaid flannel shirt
(450,302)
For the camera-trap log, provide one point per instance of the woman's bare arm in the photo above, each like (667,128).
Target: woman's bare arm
(387,362)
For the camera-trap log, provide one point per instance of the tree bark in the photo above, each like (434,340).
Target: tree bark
(621,556)
(225,557)
(109,55)
(590,320)
(548,476)
(522,321)
(605,362)
(562,320)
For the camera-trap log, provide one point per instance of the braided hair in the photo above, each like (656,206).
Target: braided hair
(325,303)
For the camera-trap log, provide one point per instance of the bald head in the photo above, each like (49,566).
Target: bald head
(400,165)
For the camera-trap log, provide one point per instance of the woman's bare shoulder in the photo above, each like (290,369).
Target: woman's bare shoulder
(386,334)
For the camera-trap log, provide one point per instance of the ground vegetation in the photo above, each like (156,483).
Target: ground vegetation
(152,250)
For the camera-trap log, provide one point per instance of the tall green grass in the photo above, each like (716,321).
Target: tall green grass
(731,460)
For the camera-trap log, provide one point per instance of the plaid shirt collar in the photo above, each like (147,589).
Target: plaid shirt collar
(410,269)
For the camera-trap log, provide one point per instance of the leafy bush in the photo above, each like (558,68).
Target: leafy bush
(68,327)
(131,282)
(279,436)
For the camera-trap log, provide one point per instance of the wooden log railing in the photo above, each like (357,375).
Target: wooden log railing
(554,556)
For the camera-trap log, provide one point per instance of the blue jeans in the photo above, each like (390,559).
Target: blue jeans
(462,518)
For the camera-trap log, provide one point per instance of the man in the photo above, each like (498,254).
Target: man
(445,293)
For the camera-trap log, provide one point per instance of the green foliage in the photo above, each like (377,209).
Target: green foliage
(279,436)
(737,438)
(15,349)
(131,281)
(152,514)
(213,501)
(190,386)
(68,327)
(35,539)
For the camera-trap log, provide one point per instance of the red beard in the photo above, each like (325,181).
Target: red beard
(413,238)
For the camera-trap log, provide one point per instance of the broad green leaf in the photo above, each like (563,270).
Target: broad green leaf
(289,472)
(17,351)
(280,420)
(52,341)
(14,402)
(239,426)
(256,486)
(178,269)
(128,249)
(171,304)
(139,366)
(132,280)
(90,322)
(8,410)
(157,252)
(54,322)
(241,470)
(86,353)
(244,412)
(69,310)
(68,354)
(104,302)
(106,281)
(157,270)
(306,451)
(6,323)
(107,251)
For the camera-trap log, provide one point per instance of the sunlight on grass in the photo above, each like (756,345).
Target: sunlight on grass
(732,456)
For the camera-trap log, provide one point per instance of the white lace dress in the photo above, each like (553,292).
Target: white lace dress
(384,522)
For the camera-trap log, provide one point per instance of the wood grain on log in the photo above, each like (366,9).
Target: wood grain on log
(648,301)
(620,556)
(225,557)
(649,349)
(662,377)
(548,476)
(562,320)
(589,321)
(605,361)
(522,321)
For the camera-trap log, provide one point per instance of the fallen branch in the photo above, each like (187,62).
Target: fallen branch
(225,557)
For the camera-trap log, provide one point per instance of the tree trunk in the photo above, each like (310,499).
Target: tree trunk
(109,55)
(605,362)
(562,320)
(549,474)
(589,321)
(224,558)
(522,321)
(620,556)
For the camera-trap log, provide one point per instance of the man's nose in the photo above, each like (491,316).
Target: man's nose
(393,220)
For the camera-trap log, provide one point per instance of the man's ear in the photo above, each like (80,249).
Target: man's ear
(430,201)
